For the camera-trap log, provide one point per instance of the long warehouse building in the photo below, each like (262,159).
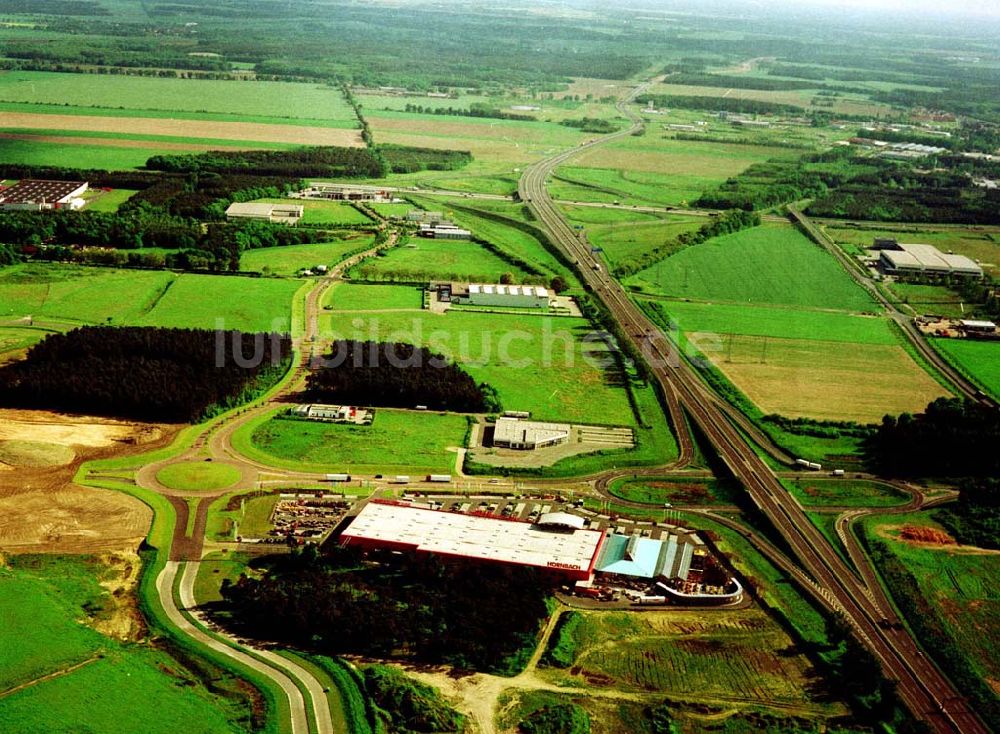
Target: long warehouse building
(560,549)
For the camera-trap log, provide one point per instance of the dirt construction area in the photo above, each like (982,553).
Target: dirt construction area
(126,126)
(41,509)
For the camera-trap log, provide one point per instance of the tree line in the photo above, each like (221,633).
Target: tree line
(476,109)
(951,438)
(718,104)
(397,375)
(144,373)
(470,615)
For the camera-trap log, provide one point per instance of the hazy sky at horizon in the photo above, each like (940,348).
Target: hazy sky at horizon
(990,8)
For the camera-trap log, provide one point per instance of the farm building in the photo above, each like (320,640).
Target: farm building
(342,192)
(513,433)
(35,195)
(568,553)
(971,326)
(443,230)
(334,413)
(275,213)
(913,259)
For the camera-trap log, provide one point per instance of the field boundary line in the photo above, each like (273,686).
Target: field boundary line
(51,676)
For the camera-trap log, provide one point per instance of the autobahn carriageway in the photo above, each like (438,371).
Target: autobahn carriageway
(921,686)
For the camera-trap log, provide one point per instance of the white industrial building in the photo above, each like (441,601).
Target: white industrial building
(275,213)
(513,433)
(346,192)
(35,195)
(443,231)
(559,546)
(914,259)
(517,296)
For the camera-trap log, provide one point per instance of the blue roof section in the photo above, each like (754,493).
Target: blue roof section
(630,556)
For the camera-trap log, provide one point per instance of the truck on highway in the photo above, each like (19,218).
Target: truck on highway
(401,479)
(596,267)
(651,600)
(338,477)
(441,478)
(808,464)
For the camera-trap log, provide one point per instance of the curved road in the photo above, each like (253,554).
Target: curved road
(922,687)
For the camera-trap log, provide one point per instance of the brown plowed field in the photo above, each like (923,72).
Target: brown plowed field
(126,126)
(43,511)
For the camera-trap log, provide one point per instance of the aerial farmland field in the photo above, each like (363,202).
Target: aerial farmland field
(397,442)
(729,657)
(211,301)
(290,259)
(57,604)
(428,259)
(193,99)
(118,122)
(769,264)
(652,169)
(979,359)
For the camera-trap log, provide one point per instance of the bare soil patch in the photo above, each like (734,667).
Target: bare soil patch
(43,511)
(34,453)
(126,126)
(121,619)
(925,534)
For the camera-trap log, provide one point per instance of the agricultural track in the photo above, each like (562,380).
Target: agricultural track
(921,686)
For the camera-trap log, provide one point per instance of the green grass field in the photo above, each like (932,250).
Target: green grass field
(320,212)
(252,101)
(72,294)
(978,359)
(14,338)
(198,475)
(845,493)
(78,294)
(536,363)
(291,259)
(52,602)
(99,157)
(392,210)
(365,297)
(621,241)
(677,491)
(780,322)
(427,259)
(108,201)
(253,520)
(210,301)
(764,265)
(653,169)
(931,299)
(397,442)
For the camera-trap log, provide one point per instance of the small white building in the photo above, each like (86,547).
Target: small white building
(512,433)
(334,413)
(289,214)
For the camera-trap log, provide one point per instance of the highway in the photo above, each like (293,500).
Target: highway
(922,688)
